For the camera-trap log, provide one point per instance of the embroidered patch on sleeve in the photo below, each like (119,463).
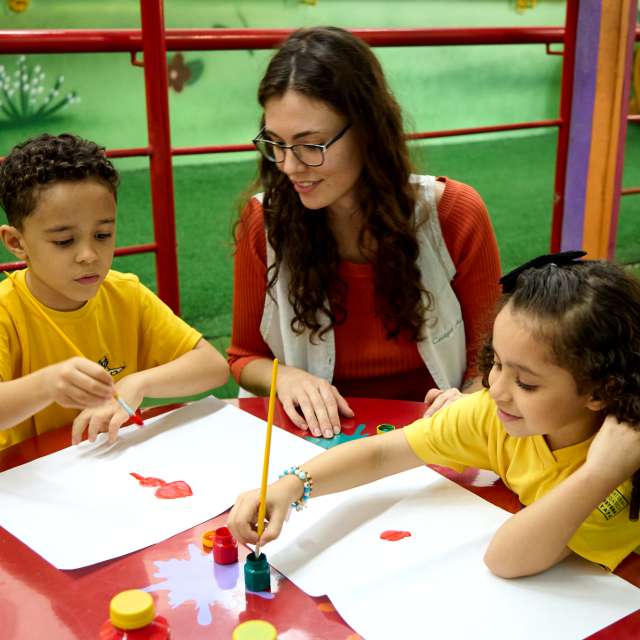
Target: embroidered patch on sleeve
(612,505)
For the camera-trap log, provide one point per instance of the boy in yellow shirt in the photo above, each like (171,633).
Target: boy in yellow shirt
(59,194)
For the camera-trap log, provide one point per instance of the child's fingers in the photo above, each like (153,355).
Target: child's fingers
(78,427)
(436,405)
(117,420)
(432,394)
(442,400)
(242,518)
(95,380)
(98,423)
(85,390)
(273,529)
(94,371)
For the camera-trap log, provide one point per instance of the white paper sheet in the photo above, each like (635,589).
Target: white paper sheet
(80,506)
(434,584)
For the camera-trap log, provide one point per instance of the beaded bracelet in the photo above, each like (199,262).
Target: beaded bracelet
(307,483)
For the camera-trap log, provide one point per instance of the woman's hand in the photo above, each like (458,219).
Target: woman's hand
(243,516)
(310,402)
(438,398)
(615,451)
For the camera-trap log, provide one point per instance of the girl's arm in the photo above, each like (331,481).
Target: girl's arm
(536,538)
(343,467)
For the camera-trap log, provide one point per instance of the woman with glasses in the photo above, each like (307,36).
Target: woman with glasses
(361,278)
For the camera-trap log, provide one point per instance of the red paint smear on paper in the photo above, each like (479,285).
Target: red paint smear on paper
(394,536)
(176,489)
(148,482)
(165,490)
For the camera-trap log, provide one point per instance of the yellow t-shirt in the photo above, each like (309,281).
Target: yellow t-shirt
(468,433)
(125,328)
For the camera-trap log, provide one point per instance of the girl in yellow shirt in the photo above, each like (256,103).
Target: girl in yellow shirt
(558,420)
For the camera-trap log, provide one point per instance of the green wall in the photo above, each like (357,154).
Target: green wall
(438,87)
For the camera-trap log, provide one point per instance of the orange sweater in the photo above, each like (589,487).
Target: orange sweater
(367,364)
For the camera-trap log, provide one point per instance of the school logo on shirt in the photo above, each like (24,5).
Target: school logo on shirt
(113,371)
(613,504)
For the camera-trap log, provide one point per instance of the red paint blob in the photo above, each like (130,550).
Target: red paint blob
(136,419)
(176,489)
(394,536)
(148,482)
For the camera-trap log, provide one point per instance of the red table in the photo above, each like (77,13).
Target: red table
(39,601)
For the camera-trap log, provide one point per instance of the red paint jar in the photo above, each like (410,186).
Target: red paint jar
(132,616)
(225,547)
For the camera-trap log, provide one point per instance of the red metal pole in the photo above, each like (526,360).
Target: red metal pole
(120,251)
(158,126)
(95,40)
(568,63)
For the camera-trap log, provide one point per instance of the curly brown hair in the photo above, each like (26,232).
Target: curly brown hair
(337,68)
(44,160)
(589,315)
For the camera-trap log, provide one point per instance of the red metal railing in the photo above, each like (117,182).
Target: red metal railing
(131,40)
(155,41)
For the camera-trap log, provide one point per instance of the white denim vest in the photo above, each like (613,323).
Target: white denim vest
(443,348)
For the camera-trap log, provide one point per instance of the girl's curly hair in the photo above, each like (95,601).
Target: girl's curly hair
(46,159)
(335,67)
(589,314)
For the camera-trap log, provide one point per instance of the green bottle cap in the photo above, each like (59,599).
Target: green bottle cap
(257,575)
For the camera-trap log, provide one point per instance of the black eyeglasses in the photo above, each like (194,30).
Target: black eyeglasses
(310,154)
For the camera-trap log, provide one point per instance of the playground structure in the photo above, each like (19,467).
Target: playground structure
(596,78)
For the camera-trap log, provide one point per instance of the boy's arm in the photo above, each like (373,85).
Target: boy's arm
(343,467)
(76,383)
(198,370)
(536,538)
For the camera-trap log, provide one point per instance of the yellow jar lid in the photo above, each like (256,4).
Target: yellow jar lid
(132,609)
(255,630)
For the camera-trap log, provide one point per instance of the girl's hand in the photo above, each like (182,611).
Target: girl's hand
(438,398)
(615,451)
(243,516)
(311,402)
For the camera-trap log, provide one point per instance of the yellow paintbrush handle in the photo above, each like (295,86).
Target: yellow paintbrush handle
(267,449)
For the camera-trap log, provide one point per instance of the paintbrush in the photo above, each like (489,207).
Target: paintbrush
(262,508)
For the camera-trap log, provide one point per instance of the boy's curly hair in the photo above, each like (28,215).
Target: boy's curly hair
(46,159)
(589,314)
